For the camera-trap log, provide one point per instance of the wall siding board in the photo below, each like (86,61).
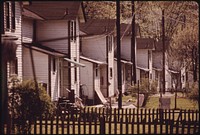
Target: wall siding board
(17,32)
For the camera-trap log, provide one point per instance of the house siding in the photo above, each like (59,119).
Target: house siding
(142,58)
(126,48)
(55,80)
(87,79)
(95,47)
(40,65)
(27,30)
(53,29)
(17,32)
(111,66)
(75,55)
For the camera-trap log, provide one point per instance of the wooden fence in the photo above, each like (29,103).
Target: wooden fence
(119,121)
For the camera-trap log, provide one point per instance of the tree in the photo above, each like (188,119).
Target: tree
(26,103)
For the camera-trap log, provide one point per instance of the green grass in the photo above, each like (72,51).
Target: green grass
(182,103)
(153,102)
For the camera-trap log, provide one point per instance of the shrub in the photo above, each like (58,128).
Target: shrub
(193,92)
(145,88)
(27,103)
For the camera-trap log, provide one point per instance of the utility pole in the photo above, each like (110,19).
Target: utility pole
(2,75)
(119,74)
(163,40)
(133,47)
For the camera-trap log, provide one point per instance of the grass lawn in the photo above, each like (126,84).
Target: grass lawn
(182,103)
(153,102)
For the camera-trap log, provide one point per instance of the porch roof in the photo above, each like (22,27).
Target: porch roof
(124,61)
(93,60)
(173,71)
(141,68)
(156,68)
(44,49)
(75,62)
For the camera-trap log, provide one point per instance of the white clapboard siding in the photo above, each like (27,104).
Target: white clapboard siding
(126,48)
(95,47)
(142,58)
(53,29)
(27,30)
(111,65)
(157,59)
(86,78)
(17,32)
(64,78)
(116,78)
(103,74)
(40,64)
(55,80)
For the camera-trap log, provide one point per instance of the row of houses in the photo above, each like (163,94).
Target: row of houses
(68,53)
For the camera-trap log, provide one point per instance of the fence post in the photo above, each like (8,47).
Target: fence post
(102,125)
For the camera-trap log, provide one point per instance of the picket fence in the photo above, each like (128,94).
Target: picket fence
(92,120)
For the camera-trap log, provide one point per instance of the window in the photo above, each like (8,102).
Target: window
(7,13)
(12,15)
(73,30)
(80,45)
(111,72)
(96,69)
(101,80)
(109,40)
(13,67)
(54,64)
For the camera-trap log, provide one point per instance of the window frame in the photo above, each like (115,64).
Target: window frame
(13,25)
(7,15)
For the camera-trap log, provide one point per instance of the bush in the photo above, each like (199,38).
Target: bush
(145,88)
(26,103)
(193,92)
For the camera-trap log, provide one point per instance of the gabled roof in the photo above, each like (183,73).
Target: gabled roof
(98,26)
(55,10)
(126,29)
(145,43)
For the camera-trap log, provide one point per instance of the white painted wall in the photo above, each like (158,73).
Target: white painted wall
(55,81)
(17,32)
(27,30)
(40,64)
(86,77)
(116,78)
(111,66)
(103,74)
(95,47)
(52,29)
(126,48)
(142,58)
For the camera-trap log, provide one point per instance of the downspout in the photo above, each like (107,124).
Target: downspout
(69,56)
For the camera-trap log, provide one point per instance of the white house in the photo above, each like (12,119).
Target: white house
(97,43)
(56,28)
(144,47)
(172,75)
